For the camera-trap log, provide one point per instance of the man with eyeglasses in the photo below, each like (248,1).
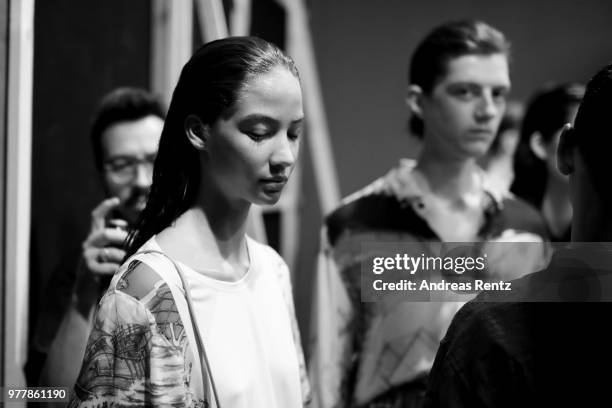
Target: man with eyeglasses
(125,136)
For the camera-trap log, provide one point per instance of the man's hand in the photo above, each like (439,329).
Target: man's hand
(102,250)
(102,254)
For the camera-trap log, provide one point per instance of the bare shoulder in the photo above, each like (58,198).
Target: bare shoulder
(138,280)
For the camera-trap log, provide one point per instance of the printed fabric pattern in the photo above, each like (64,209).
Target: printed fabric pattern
(138,352)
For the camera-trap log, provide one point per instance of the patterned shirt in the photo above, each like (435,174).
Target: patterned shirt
(363,352)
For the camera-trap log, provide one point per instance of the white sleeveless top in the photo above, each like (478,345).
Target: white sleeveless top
(246,327)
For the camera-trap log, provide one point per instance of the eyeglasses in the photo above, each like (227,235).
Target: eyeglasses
(124,169)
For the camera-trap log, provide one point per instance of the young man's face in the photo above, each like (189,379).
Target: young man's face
(463,111)
(129,149)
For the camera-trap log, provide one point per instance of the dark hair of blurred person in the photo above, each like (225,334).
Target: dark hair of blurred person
(537,179)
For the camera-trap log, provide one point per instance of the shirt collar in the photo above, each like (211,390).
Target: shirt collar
(405,185)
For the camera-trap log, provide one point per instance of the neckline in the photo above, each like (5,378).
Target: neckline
(423,186)
(219,283)
(416,192)
(411,184)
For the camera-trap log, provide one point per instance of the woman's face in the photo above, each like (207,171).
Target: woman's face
(463,111)
(251,154)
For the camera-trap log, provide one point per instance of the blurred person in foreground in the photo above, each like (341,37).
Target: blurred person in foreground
(125,134)
(378,354)
(546,343)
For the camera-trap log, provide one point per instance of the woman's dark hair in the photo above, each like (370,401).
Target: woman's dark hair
(122,105)
(208,87)
(547,112)
(454,39)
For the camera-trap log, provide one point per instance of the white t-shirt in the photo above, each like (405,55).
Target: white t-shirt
(246,327)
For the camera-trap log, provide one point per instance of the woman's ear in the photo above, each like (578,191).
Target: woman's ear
(196,131)
(414,100)
(565,150)
(536,144)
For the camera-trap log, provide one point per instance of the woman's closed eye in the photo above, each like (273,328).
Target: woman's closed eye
(296,129)
(258,127)
(259,132)
(295,133)
(258,135)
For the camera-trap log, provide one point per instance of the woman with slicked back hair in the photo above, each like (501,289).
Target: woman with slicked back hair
(199,314)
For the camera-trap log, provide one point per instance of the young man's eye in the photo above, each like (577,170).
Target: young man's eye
(463,92)
(500,94)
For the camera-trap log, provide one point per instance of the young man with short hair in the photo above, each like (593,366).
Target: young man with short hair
(379,354)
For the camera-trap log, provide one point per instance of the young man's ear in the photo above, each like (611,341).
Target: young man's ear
(565,150)
(414,100)
(196,131)
(536,144)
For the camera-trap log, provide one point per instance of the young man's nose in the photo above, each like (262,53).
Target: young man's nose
(487,109)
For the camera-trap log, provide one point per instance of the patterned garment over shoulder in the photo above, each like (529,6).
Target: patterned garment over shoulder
(137,353)
(142,350)
(378,354)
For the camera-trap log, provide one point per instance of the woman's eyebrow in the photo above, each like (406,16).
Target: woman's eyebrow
(258,118)
(266,120)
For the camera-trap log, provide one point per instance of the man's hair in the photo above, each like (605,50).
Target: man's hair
(122,105)
(593,129)
(451,40)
